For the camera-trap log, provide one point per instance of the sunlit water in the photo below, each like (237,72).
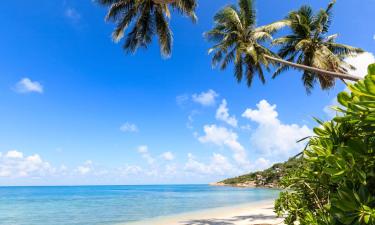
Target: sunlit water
(92,205)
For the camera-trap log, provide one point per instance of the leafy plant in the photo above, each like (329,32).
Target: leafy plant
(336,182)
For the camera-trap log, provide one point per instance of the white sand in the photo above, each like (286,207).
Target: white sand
(248,214)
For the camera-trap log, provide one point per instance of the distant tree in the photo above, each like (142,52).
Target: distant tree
(147,18)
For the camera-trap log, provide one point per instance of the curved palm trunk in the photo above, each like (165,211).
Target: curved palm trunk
(314,70)
(163,1)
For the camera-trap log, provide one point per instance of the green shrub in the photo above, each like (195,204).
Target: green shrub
(336,182)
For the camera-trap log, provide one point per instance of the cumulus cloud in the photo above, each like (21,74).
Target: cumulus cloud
(222,114)
(25,85)
(143,150)
(15,164)
(271,136)
(129,127)
(205,98)
(86,168)
(130,170)
(262,163)
(167,156)
(221,136)
(218,164)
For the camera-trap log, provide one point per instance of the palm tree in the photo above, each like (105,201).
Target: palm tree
(309,45)
(238,40)
(148,18)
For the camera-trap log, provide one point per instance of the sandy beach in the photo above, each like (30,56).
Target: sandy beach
(259,213)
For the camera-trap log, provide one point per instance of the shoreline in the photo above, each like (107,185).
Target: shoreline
(260,212)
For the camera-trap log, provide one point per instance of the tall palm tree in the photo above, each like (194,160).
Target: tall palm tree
(238,40)
(148,18)
(308,44)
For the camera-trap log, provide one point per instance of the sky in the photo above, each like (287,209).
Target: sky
(75,109)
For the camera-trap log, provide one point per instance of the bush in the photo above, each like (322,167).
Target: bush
(336,182)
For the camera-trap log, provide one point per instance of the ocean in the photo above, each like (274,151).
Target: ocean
(94,205)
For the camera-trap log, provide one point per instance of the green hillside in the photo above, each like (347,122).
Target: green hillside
(266,178)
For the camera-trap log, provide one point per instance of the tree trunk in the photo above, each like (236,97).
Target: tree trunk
(315,70)
(163,1)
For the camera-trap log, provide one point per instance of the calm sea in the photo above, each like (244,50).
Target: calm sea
(92,205)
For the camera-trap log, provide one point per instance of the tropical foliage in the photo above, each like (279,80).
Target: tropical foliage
(309,44)
(148,18)
(336,183)
(238,40)
(267,177)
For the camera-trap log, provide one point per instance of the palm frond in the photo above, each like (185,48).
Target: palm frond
(164,33)
(186,7)
(273,27)
(247,12)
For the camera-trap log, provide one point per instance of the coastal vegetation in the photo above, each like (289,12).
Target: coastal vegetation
(265,178)
(335,184)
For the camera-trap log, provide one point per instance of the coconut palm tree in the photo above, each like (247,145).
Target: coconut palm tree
(308,44)
(147,18)
(238,40)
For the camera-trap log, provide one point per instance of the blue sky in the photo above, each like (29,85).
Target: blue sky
(75,109)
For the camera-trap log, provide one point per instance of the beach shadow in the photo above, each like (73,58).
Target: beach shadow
(207,222)
(255,217)
(231,221)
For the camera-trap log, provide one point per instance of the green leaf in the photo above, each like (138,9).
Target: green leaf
(371,69)
(343,98)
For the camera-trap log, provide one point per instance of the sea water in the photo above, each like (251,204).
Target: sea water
(94,205)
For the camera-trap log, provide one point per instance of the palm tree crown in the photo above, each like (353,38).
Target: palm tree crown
(148,18)
(237,39)
(308,44)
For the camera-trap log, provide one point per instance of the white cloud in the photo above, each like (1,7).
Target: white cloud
(129,127)
(143,150)
(14,154)
(218,164)
(15,164)
(86,168)
(170,169)
(25,85)
(221,136)
(130,170)
(222,114)
(167,156)
(205,98)
(361,62)
(272,137)
(261,164)
(190,121)
(72,14)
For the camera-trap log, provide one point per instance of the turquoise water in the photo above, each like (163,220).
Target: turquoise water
(92,205)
